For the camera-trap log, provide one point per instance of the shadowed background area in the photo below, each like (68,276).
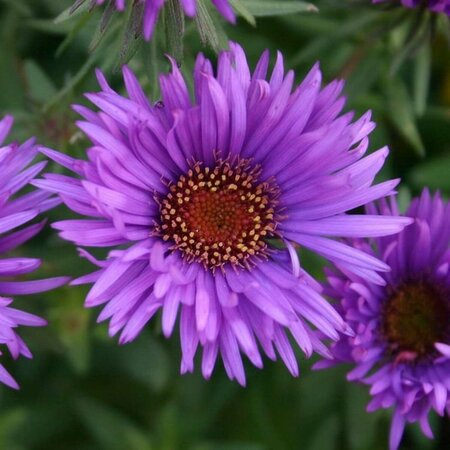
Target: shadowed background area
(84,392)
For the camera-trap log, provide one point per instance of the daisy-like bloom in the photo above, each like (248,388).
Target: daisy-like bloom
(153,7)
(402,344)
(439,6)
(206,189)
(16,211)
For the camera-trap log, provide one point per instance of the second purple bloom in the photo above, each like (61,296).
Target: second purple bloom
(17,208)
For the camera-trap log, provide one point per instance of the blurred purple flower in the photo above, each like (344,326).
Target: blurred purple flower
(442,6)
(199,186)
(14,212)
(153,7)
(402,342)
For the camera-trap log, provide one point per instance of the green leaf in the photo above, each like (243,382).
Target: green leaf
(242,10)
(49,26)
(19,6)
(422,69)
(73,82)
(361,77)
(327,434)
(12,91)
(411,40)
(153,63)
(261,8)
(361,428)
(85,69)
(73,11)
(112,430)
(146,361)
(442,25)
(218,445)
(211,33)
(168,429)
(401,113)
(131,36)
(40,86)
(174,28)
(102,27)
(433,174)
(71,322)
(11,421)
(403,198)
(327,34)
(76,29)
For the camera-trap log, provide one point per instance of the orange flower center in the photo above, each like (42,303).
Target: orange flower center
(219,215)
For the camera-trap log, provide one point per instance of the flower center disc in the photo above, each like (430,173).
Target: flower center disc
(415,318)
(219,215)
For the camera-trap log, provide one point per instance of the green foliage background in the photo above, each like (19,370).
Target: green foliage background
(84,392)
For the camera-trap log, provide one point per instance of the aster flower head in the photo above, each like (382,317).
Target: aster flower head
(16,211)
(438,6)
(153,7)
(401,348)
(199,190)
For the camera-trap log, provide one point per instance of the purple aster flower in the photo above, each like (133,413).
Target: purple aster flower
(402,342)
(203,188)
(14,212)
(153,7)
(440,6)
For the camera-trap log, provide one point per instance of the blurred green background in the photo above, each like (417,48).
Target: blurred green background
(84,392)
